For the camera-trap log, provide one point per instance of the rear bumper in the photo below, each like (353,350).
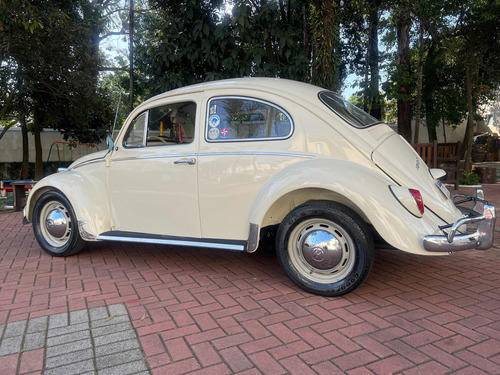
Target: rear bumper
(456,238)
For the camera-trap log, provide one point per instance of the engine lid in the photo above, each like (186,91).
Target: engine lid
(400,161)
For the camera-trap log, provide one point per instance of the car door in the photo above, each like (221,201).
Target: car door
(246,141)
(152,173)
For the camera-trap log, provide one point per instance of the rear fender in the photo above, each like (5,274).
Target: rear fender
(364,190)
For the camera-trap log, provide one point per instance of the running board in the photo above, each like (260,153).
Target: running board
(171,240)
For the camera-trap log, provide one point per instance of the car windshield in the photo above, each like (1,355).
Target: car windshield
(348,111)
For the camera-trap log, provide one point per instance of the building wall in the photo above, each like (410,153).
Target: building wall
(11,147)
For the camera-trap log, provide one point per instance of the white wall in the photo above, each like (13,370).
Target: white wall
(11,147)
(490,112)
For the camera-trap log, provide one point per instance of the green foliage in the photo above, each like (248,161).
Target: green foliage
(194,41)
(325,36)
(49,68)
(469,178)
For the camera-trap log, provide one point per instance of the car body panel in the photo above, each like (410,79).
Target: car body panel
(86,189)
(409,170)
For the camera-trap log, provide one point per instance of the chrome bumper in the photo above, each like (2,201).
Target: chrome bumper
(453,239)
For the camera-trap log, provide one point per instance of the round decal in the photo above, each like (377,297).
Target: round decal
(213,133)
(224,133)
(214,121)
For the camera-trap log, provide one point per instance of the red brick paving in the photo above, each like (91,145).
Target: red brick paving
(215,312)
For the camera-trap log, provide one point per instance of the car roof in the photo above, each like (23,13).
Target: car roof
(283,87)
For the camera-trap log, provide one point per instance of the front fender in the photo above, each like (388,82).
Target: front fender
(366,191)
(87,196)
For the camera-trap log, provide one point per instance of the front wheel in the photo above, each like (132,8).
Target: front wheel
(55,225)
(325,248)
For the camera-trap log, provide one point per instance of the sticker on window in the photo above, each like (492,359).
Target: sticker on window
(214,121)
(239,118)
(213,133)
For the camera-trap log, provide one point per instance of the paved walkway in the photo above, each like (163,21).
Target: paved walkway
(120,308)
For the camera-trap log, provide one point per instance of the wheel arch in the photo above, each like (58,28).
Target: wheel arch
(289,201)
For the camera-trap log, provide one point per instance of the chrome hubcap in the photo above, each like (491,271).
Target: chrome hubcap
(321,250)
(56,223)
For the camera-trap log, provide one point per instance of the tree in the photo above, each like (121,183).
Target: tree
(46,51)
(479,37)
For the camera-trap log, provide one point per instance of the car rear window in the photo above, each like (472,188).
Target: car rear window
(348,111)
(245,119)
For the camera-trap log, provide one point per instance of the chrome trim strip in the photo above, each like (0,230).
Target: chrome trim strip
(258,153)
(87,163)
(216,154)
(174,242)
(155,157)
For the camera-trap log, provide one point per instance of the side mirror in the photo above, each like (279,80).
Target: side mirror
(110,143)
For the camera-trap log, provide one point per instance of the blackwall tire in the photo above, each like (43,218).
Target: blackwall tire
(55,225)
(325,248)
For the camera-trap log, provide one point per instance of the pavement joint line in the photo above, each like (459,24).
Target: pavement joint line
(71,347)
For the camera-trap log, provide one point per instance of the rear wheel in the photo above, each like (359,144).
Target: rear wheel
(325,248)
(55,225)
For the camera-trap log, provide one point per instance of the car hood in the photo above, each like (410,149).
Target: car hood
(87,158)
(398,160)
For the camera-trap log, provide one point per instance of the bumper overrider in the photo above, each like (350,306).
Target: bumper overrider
(455,237)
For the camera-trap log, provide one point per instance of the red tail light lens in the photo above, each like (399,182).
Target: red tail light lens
(418,199)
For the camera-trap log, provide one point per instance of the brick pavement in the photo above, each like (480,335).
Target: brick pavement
(218,312)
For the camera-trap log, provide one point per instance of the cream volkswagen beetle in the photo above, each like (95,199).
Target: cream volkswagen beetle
(217,164)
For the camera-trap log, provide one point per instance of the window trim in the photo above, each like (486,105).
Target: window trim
(222,140)
(146,128)
(342,117)
(144,133)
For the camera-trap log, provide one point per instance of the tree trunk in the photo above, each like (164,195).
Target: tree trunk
(471,126)
(131,55)
(307,39)
(419,82)
(37,129)
(366,90)
(374,96)
(444,130)
(26,152)
(404,75)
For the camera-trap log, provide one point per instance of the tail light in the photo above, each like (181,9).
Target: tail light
(418,199)
(410,199)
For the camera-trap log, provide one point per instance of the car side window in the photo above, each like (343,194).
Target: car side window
(245,119)
(163,125)
(135,136)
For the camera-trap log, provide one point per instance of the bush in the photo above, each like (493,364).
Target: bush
(469,178)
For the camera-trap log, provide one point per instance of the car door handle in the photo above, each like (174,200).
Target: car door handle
(189,161)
